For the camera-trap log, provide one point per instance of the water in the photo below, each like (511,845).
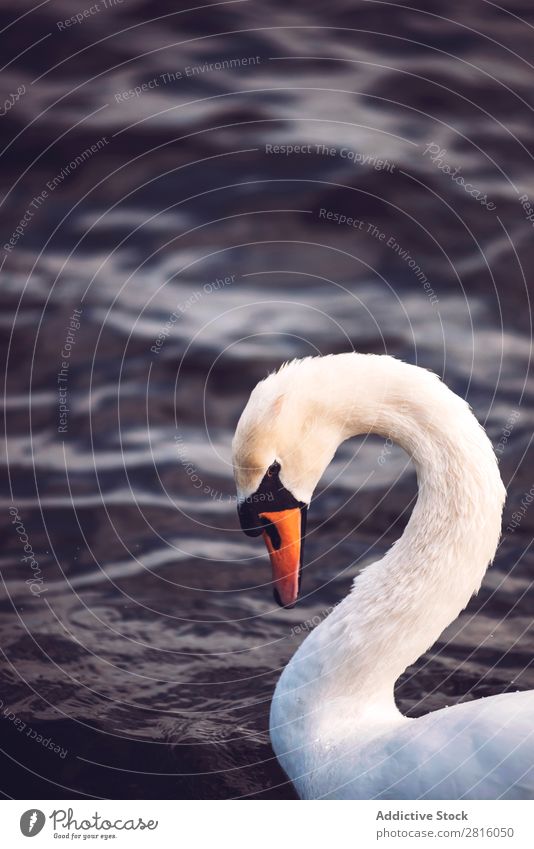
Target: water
(145,649)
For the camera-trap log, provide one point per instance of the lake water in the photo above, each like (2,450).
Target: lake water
(162,250)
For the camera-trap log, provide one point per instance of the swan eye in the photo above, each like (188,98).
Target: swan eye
(273,469)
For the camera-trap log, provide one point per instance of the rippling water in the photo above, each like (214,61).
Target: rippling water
(144,647)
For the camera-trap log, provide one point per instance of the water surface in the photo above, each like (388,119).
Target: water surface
(147,653)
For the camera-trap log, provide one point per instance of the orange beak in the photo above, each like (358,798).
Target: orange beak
(283,537)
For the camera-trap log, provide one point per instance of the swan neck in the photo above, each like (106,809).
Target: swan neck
(337,692)
(400,605)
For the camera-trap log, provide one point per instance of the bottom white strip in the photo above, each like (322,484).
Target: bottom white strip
(268,824)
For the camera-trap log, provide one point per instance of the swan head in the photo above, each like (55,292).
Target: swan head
(283,442)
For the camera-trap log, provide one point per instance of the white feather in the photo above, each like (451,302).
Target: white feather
(335,727)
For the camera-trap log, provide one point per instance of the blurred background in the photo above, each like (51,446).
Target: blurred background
(189,198)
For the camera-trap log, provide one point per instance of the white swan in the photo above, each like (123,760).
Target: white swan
(334,725)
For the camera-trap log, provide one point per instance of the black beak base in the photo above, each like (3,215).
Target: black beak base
(271,496)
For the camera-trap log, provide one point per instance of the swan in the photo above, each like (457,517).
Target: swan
(334,724)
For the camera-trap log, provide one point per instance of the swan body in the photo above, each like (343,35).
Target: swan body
(335,727)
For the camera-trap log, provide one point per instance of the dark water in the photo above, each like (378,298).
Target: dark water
(146,646)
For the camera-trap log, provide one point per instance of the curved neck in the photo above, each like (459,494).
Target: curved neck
(399,605)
